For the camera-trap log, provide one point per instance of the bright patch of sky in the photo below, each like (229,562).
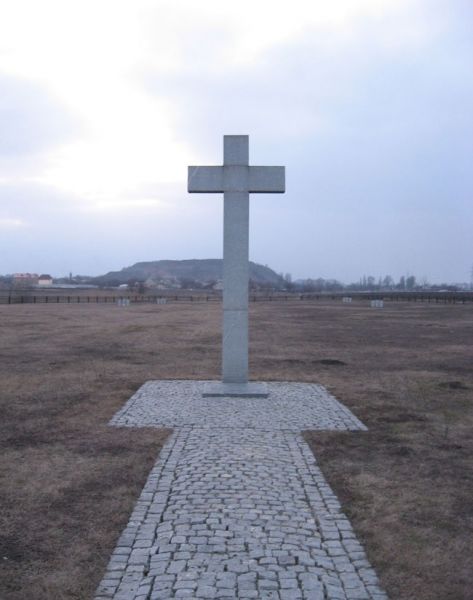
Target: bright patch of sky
(103,104)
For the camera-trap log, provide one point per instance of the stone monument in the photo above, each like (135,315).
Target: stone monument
(197,529)
(236,180)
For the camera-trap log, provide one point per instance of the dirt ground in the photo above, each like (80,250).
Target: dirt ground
(68,482)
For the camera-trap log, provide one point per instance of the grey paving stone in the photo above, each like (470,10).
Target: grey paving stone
(290,594)
(236,506)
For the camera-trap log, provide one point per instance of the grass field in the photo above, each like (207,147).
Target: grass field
(69,482)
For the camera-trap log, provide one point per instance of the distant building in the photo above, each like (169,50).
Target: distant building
(25,279)
(45,280)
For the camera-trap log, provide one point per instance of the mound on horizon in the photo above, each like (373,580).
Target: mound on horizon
(199,270)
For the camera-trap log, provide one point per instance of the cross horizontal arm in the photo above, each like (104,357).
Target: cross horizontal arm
(271,180)
(219,179)
(205,179)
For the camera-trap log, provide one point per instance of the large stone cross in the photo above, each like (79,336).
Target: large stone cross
(236,180)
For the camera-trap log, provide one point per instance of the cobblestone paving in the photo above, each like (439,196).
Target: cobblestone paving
(235,510)
(294,406)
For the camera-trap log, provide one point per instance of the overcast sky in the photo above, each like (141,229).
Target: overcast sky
(368,104)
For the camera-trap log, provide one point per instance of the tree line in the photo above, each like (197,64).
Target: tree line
(366,283)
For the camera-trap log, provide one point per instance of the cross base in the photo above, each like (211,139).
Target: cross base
(241,390)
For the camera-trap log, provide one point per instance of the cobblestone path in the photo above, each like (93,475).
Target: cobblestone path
(235,506)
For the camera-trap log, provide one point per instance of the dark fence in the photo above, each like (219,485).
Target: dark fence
(81,299)
(431,297)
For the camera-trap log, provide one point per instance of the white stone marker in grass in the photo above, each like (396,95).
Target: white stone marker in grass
(236,180)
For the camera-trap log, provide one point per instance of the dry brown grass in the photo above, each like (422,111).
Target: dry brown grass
(69,481)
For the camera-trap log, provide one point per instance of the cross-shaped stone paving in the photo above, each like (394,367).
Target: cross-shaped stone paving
(236,506)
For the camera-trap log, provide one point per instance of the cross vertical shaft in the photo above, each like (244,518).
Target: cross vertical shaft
(235,265)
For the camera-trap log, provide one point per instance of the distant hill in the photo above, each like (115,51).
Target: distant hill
(202,271)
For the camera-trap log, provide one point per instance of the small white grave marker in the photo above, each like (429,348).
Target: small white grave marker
(377,303)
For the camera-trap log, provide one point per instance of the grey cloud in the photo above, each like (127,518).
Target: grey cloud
(31,120)
(377,142)
(377,145)
(59,236)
